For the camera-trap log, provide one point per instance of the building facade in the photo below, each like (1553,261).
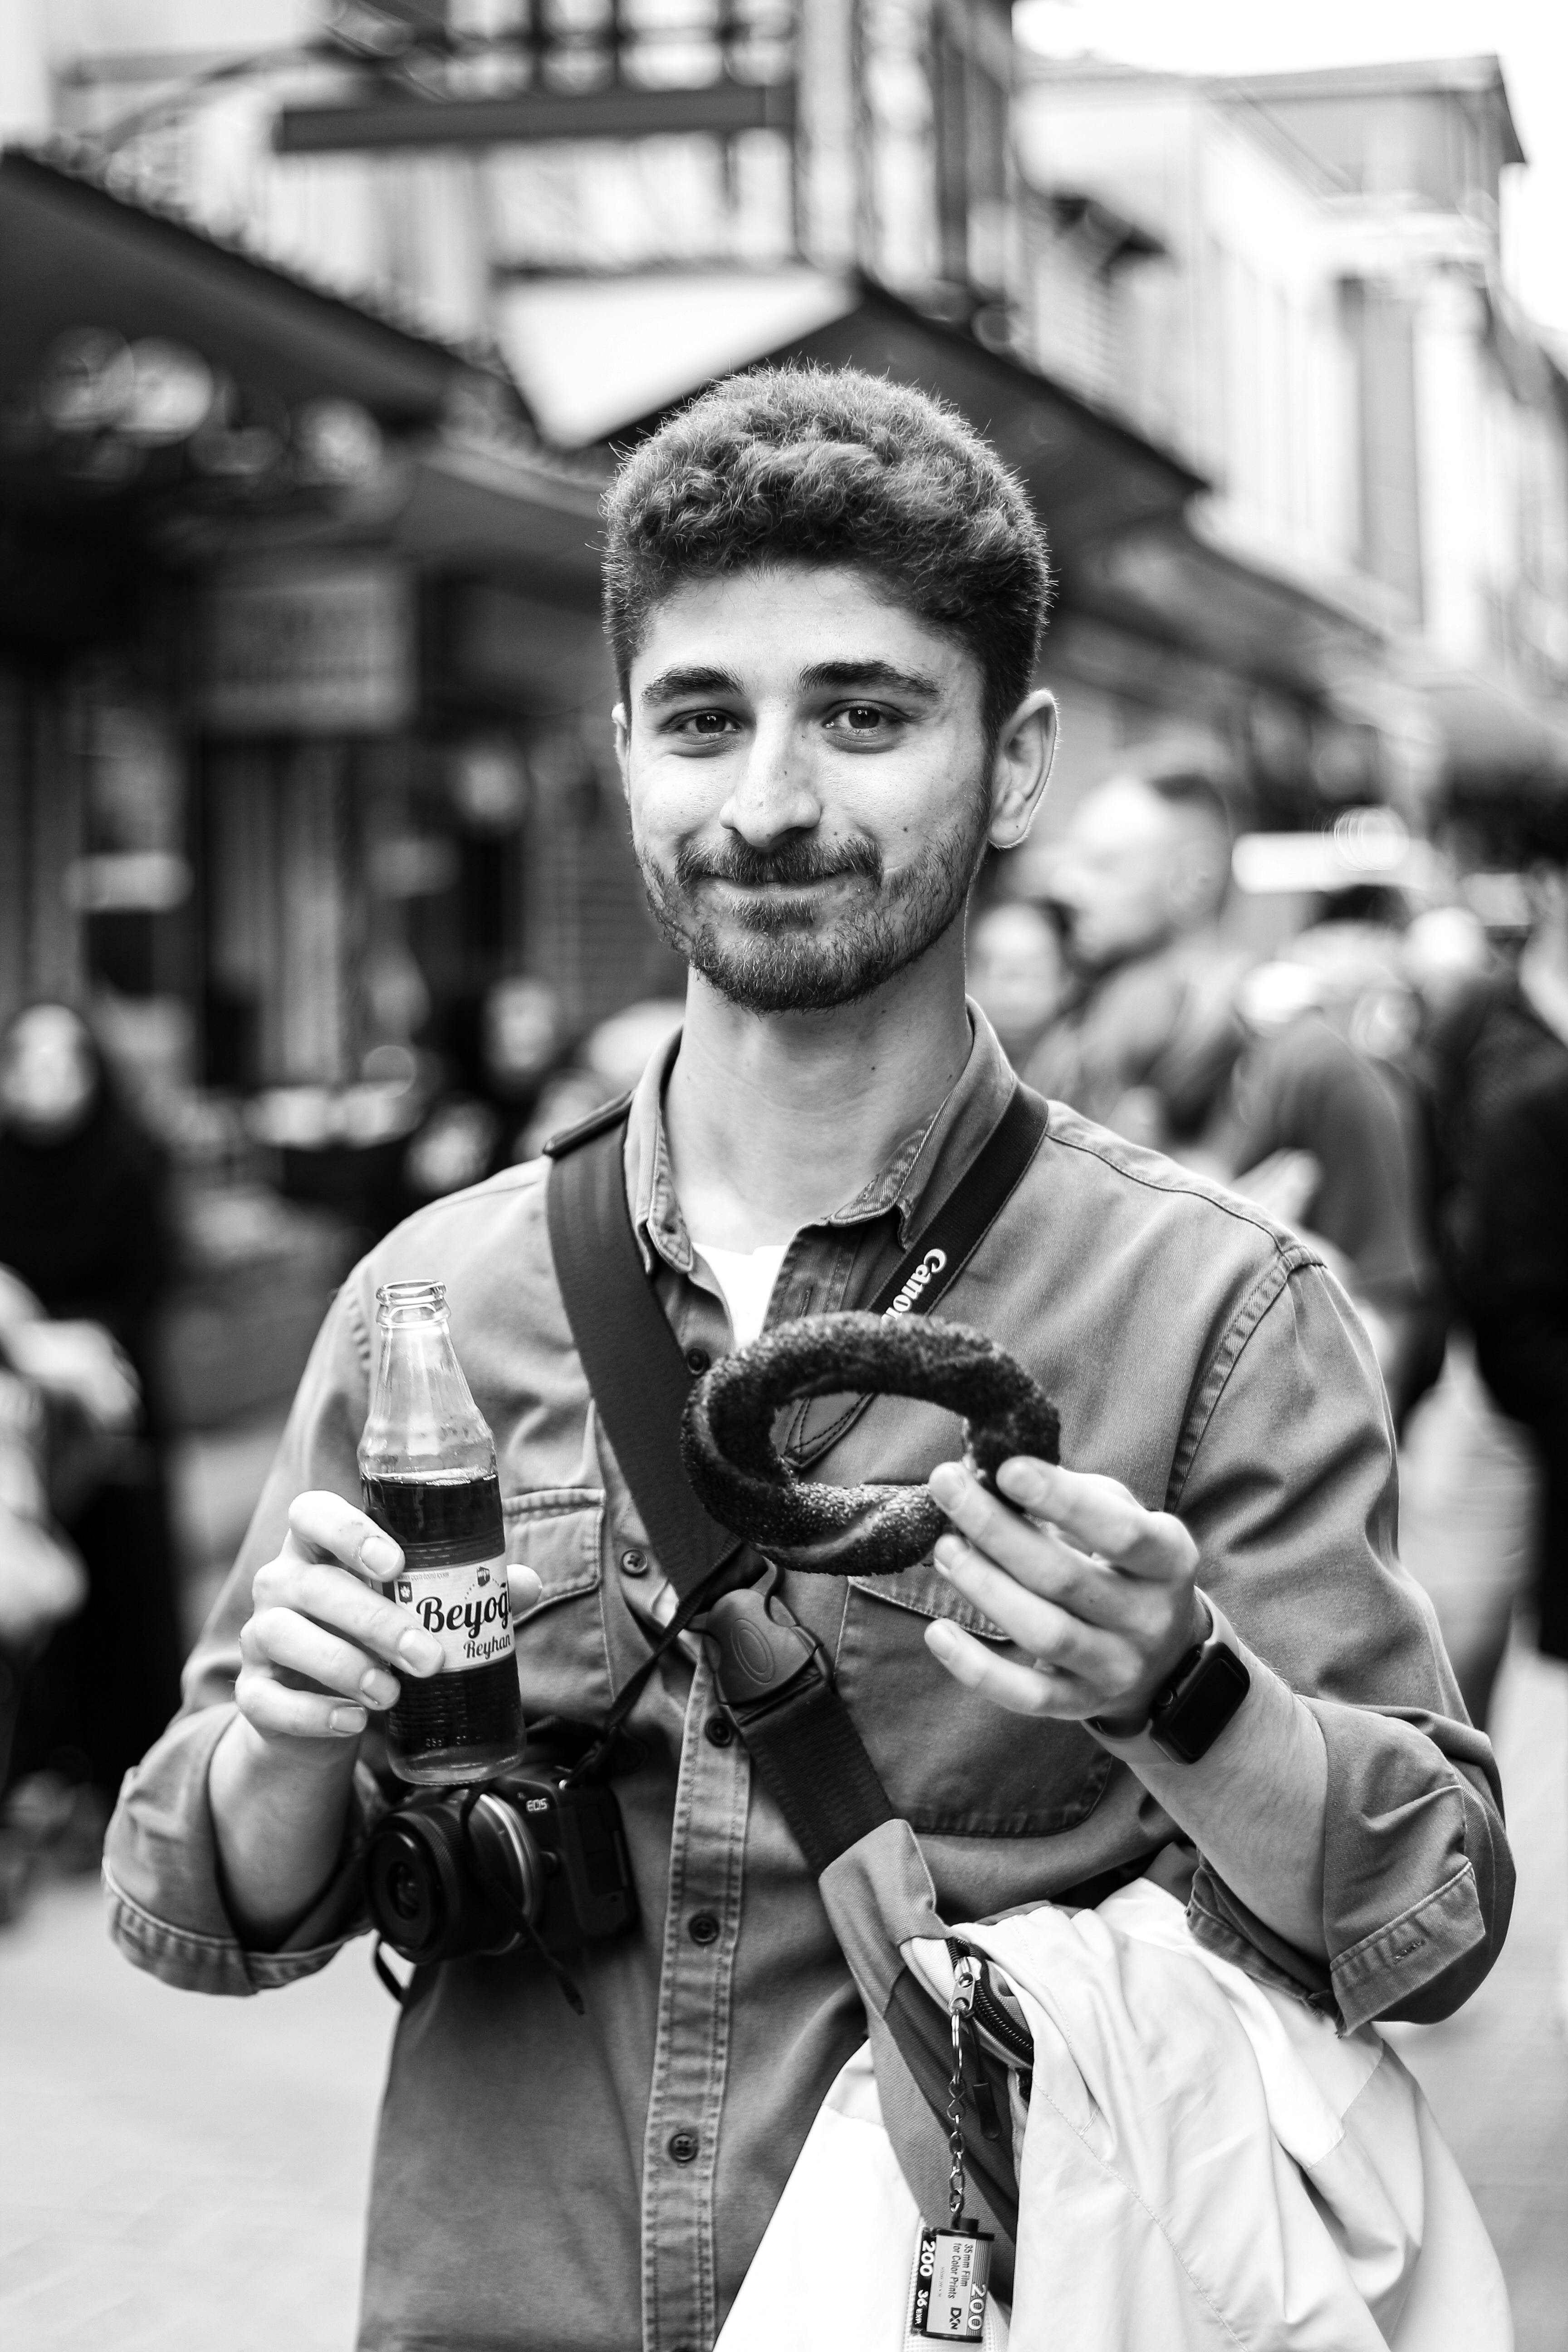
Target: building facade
(1306,296)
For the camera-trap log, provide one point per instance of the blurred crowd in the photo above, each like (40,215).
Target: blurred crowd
(1389,1080)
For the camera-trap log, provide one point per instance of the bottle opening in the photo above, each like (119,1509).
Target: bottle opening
(400,1302)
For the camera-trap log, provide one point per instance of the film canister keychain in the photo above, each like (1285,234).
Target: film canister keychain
(952,2268)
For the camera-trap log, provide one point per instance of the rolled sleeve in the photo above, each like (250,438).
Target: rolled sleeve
(164,1887)
(1290,1493)
(162,1874)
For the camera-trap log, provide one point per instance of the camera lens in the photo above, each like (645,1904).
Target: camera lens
(438,1887)
(403,1892)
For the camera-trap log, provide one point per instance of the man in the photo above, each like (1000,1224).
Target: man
(1471,1482)
(1312,1131)
(1017,974)
(1148,1042)
(824,597)
(1518,1300)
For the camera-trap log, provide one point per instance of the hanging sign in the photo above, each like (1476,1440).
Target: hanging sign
(318,648)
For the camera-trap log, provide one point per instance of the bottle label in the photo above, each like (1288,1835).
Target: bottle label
(467,1609)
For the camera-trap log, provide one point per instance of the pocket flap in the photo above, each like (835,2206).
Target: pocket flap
(928,1592)
(556,1531)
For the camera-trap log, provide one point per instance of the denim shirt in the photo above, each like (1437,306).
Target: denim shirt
(547,2183)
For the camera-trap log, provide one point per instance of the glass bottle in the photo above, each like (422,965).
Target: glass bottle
(427,1467)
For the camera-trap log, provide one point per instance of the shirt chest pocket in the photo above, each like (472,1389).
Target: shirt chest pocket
(562,1662)
(952,1761)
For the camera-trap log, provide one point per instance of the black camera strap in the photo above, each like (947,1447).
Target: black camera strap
(800,1739)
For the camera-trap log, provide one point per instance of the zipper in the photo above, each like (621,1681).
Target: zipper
(1004,2028)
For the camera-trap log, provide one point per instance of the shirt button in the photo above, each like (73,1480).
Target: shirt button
(683,2147)
(702,1928)
(718,1730)
(698,1359)
(634,1562)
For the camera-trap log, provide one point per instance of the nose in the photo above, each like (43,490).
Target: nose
(774,792)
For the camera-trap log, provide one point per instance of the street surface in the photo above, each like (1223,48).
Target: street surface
(182,2175)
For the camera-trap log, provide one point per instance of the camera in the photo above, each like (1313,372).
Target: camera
(527,1861)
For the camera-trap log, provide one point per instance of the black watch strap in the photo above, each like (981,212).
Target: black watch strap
(1203,1693)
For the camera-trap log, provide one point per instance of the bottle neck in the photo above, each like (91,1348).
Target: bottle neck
(422,1422)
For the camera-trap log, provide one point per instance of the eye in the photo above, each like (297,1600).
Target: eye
(704,726)
(862,718)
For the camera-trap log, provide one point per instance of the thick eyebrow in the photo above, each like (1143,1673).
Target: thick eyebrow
(675,685)
(845,675)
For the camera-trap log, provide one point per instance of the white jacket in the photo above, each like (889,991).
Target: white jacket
(1203,2163)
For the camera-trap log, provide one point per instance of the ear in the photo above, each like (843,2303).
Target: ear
(1024,755)
(1197,874)
(622,726)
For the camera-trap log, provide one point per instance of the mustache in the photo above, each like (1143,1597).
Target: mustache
(791,863)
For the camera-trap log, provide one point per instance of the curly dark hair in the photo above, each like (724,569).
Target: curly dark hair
(835,466)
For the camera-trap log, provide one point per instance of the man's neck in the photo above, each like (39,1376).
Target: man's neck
(775,1121)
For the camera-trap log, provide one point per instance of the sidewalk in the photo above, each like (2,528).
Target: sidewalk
(1496,2074)
(178,2175)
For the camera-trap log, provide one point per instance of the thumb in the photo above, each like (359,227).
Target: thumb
(523,1588)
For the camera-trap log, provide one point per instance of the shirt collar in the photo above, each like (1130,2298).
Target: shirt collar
(926,1163)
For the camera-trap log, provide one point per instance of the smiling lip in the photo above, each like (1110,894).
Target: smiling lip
(793,889)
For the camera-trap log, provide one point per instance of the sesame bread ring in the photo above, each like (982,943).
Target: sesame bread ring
(727,1442)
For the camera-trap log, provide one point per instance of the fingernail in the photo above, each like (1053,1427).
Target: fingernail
(347,1720)
(374,1687)
(420,1653)
(939,1636)
(946,1555)
(946,1483)
(381,1554)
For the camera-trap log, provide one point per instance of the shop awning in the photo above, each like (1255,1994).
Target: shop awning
(602,359)
(1172,582)
(72,255)
(496,510)
(1494,735)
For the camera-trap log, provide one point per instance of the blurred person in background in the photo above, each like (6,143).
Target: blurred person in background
(85,1226)
(67,1395)
(1469,1489)
(1017,974)
(1445,952)
(1518,1296)
(608,1064)
(475,1129)
(1148,1036)
(1316,1134)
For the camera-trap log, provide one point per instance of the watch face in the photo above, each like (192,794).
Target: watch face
(1188,1727)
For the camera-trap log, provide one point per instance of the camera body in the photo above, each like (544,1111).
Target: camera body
(527,1861)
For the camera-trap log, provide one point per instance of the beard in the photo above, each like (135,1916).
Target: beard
(803,956)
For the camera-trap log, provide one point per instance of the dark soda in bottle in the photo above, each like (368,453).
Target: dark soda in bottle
(427,1467)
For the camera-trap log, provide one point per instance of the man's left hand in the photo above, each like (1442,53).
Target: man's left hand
(1098,1595)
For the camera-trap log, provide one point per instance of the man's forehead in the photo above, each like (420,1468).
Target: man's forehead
(776,627)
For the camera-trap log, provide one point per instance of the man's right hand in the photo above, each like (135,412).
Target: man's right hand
(321,1642)
(318,1652)
(322,1652)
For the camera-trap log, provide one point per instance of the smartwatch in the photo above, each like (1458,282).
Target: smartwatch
(1193,1708)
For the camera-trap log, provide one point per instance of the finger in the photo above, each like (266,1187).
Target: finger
(524,1588)
(1041,1626)
(280,1713)
(337,1599)
(1037,1557)
(975,1512)
(280,1638)
(1022,1690)
(326,1526)
(1098,1514)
